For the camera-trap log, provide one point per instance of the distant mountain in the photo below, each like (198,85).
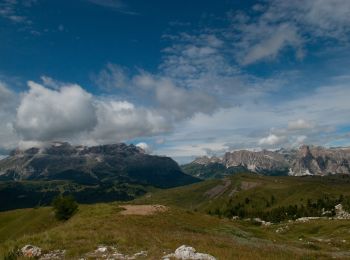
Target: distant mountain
(91,174)
(92,165)
(307,160)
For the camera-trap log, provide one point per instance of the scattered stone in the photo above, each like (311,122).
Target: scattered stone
(111,253)
(306,219)
(340,213)
(188,253)
(262,222)
(56,254)
(31,251)
(282,229)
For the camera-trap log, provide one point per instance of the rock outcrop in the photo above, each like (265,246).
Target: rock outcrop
(31,251)
(188,253)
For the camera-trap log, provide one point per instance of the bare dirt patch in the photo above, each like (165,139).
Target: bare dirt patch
(247,185)
(219,189)
(142,209)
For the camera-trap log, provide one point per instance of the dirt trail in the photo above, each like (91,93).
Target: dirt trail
(142,209)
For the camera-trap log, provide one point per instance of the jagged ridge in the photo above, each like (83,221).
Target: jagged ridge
(307,160)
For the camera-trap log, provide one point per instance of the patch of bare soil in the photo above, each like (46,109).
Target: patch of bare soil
(218,189)
(142,209)
(247,185)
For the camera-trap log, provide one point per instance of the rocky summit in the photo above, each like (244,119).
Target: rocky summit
(307,160)
(92,165)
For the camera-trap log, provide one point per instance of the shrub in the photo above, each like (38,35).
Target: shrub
(65,207)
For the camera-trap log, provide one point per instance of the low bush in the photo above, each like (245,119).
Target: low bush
(65,207)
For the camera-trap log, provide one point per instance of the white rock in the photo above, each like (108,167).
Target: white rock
(31,251)
(188,253)
(340,213)
(101,249)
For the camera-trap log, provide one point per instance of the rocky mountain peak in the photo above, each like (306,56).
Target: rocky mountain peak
(307,160)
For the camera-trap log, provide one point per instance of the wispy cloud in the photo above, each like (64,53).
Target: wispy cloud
(13,10)
(117,5)
(277,25)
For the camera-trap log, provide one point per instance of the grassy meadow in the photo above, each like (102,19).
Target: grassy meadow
(185,222)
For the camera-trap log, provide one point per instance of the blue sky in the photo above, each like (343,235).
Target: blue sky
(180,78)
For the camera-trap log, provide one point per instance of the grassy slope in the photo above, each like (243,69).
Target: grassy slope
(286,190)
(164,232)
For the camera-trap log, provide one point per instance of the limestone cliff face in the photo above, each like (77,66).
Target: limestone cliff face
(320,161)
(260,162)
(307,160)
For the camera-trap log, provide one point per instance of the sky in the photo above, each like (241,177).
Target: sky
(177,78)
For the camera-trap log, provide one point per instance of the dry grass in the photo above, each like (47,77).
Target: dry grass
(162,233)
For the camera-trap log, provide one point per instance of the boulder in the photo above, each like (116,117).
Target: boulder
(188,253)
(31,251)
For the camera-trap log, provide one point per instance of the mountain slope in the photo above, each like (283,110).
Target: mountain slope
(92,165)
(91,174)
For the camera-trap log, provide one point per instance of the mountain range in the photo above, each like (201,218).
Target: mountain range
(307,160)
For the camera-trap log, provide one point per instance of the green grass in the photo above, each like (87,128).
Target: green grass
(163,232)
(286,191)
(185,222)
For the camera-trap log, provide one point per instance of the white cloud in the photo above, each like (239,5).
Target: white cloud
(272,39)
(11,10)
(181,103)
(264,124)
(279,24)
(70,113)
(272,140)
(157,92)
(117,5)
(108,3)
(121,120)
(45,114)
(145,147)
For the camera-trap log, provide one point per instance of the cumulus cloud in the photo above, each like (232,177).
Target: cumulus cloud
(159,92)
(144,146)
(121,120)
(45,114)
(272,140)
(178,102)
(68,112)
